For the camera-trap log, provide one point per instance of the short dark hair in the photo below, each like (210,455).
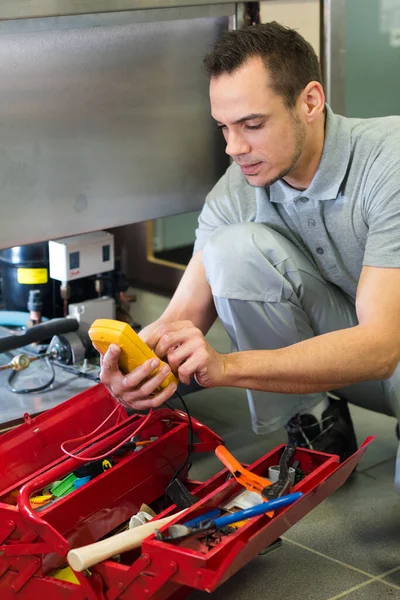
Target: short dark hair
(289,58)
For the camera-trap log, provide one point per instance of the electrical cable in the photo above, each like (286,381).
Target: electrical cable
(46,385)
(78,372)
(102,456)
(185,467)
(40,388)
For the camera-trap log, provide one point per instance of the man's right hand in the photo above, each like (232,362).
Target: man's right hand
(137,389)
(192,300)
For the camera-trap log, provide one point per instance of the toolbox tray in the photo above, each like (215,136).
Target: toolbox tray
(162,566)
(33,543)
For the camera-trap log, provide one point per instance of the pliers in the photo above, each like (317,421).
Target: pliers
(255,483)
(277,489)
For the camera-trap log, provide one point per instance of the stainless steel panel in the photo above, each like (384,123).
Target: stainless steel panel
(33,25)
(25,9)
(103,126)
(333,52)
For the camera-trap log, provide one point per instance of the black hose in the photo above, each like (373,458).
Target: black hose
(32,390)
(37,333)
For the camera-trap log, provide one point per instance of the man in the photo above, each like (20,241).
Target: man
(297,251)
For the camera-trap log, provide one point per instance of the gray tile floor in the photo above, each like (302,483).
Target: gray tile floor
(349,546)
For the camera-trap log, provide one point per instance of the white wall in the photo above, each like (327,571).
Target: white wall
(302,15)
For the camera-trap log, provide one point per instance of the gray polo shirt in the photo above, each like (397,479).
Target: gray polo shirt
(348,217)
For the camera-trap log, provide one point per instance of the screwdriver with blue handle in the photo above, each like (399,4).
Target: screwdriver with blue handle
(178,532)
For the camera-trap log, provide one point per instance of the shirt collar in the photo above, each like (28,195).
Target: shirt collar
(332,167)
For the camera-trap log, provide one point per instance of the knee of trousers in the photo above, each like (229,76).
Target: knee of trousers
(249,261)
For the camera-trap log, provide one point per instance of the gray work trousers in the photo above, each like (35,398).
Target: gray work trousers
(269,295)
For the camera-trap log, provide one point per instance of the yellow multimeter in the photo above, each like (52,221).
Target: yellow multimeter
(134,351)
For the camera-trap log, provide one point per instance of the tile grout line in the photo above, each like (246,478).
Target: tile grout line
(379,464)
(372,578)
(339,562)
(378,578)
(352,589)
(392,585)
(386,573)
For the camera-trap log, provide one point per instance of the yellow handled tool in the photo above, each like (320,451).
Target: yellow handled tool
(134,351)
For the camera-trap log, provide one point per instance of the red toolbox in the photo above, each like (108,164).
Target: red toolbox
(33,543)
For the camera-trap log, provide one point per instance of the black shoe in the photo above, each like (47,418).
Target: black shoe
(334,434)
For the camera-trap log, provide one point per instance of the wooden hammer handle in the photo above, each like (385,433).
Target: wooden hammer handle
(86,556)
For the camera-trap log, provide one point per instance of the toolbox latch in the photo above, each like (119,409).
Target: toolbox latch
(25,574)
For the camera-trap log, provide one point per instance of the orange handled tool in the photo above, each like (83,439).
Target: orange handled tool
(249,480)
(134,351)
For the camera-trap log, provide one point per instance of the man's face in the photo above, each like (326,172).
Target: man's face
(263,136)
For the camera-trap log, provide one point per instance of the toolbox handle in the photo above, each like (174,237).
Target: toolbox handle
(57,542)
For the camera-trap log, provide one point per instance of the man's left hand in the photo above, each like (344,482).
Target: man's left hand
(188,353)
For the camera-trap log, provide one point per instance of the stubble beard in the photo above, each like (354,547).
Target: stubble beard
(300,135)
